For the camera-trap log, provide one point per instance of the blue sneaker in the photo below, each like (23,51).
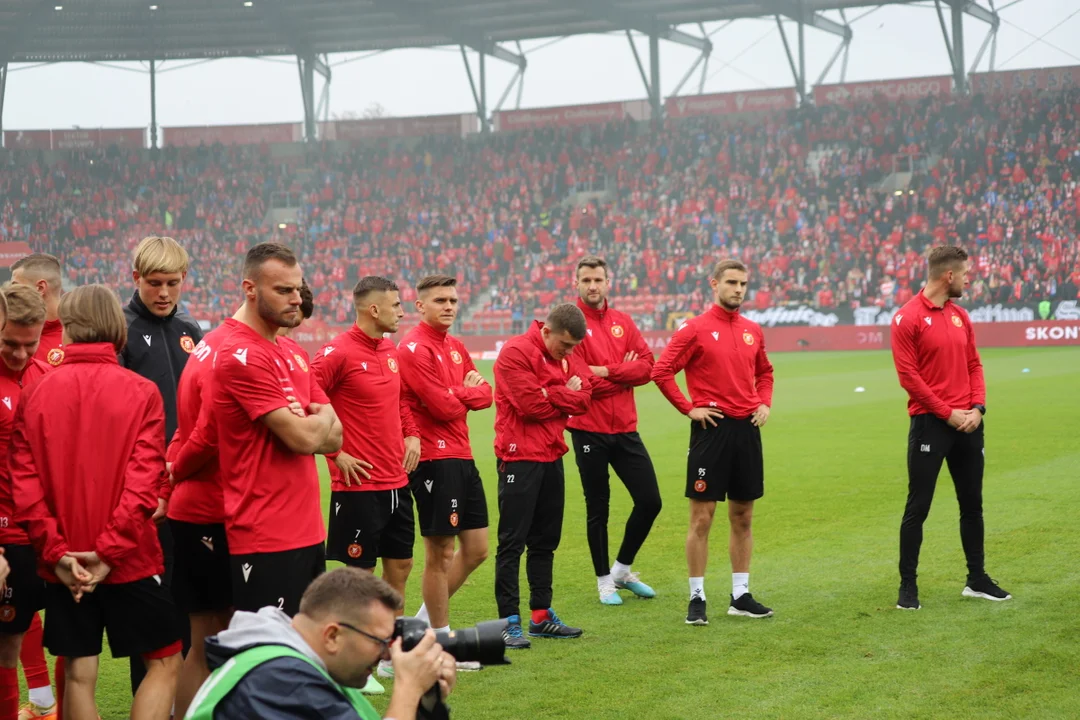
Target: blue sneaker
(609,594)
(634,585)
(553,627)
(513,637)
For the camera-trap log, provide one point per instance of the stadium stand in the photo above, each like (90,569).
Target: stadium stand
(802,196)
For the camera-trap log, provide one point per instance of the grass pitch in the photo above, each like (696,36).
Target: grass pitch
(824,558)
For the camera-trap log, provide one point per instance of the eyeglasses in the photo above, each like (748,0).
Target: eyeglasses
(384,642)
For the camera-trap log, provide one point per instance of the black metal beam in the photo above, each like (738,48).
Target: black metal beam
(642,22)
(454,32)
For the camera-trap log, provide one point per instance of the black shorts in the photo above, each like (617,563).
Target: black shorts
(449,497)
(725,461)
(276,579)
(366,526)
(25,591)
(201,577)
(139,617)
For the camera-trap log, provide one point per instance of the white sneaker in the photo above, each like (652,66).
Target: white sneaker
(609,594)
(469,666)
(373,687)
(386,670)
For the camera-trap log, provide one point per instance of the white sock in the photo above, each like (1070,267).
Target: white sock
(697,588)
(602,580)
(619,571)
(442,629)
(740,584)
(42,696)
(423,614)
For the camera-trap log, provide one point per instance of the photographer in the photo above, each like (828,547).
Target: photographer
(312,666)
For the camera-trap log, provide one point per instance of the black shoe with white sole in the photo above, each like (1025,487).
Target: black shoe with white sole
(747,606)
(695,613)
(982,586)
(909,596)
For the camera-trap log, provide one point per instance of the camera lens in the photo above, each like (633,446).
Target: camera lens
(482,643)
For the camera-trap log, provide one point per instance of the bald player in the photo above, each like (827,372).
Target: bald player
(42,272)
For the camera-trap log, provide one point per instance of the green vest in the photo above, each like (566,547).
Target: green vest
(222,681)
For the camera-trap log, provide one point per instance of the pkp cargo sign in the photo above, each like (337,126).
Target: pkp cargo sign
(890,90)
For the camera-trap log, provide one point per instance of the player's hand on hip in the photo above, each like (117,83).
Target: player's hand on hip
(706,416)
(760,416)
(574,383)
(412,454)
(352,468)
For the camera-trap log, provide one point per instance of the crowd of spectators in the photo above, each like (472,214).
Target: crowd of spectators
(798,196)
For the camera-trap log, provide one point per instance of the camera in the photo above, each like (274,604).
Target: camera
(481,643)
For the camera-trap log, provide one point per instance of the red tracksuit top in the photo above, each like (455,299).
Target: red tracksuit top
(87,458)
(725,361)
(50,349)
(361,377)
(433,367)
(936,358)
(528,426)
(611,334)
(11,385)
(198,497)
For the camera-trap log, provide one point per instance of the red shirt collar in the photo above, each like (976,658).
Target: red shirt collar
(596,314)
(724,314)
(929,305)
(364,339)
(433,334)
(537,337)
(99,352)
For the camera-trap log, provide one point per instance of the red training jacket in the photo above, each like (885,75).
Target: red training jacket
(725,361)
(87,458)
(529,426)
(610,336)
(936,358)
(360,376)
(433,365)
(11,385)
(198,497)
(52,333)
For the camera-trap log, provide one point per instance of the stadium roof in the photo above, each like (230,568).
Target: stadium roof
(103,30)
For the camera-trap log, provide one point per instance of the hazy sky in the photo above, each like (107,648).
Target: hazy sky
(895,41)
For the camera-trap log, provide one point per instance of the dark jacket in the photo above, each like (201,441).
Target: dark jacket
(280,689)
(158,348)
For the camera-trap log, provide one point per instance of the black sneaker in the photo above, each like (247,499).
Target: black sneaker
(909,596)
(553,627)
(695,614)
(747,606)
(513,638)
(983,587)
